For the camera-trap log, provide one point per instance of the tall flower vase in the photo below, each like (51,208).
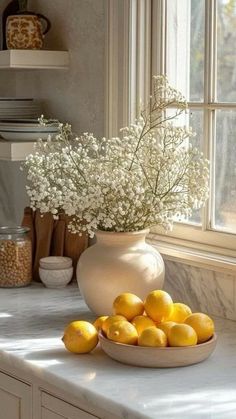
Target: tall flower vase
(117,263)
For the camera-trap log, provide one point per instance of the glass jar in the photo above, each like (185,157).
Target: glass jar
(15,257)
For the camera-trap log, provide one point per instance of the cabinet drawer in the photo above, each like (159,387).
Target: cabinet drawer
(15,398)
(54,408)
(48,414)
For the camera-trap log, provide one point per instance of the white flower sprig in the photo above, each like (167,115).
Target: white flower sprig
(145,177)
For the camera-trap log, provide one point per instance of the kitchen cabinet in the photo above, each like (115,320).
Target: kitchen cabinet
(15,398)
(17,402)
(54,408)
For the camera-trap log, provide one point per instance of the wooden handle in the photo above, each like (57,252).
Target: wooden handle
(43,234)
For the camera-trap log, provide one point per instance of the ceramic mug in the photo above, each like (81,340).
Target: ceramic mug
(26,31)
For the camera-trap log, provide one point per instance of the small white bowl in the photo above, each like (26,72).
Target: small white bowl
(55,262)
(57,278)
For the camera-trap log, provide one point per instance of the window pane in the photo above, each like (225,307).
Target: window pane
(197,50)
(193,118)
(226,51)
(185,47)
(196,122)
(224,211)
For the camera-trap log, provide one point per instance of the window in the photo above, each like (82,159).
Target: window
(193,42)
(199,58)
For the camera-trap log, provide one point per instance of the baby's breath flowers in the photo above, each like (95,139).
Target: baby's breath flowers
(145,177)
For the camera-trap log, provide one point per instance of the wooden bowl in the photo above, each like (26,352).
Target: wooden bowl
(143,356)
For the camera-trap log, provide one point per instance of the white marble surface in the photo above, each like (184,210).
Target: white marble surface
(32,321)
(202,289)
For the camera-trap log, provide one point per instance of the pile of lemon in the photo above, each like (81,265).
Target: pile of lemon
(156,322)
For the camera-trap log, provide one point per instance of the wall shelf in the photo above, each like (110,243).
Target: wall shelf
(15,151)
(34,59)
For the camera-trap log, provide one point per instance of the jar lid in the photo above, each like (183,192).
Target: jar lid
(55,262)
(14,230)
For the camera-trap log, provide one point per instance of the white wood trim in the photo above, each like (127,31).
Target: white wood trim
(132,62)
(216,105)
(158,37)
(21,391)
(126,64)
(194,236)
(117,55)
(111,122)
(190,256)
(60,407)
(210,97)
(128,61)
(143,61)
(25,374)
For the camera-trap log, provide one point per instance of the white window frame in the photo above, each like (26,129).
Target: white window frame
(135,49)
(201,238)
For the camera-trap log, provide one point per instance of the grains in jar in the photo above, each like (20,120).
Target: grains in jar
(15,257)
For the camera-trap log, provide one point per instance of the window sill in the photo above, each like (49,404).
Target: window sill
(194,257)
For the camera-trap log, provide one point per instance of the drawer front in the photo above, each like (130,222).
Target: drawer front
(10,405)
(51,405)
(48,414)
(15,398)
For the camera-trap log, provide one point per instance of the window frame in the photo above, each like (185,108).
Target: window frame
(199,237)
(132,26)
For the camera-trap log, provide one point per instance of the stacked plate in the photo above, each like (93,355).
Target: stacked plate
(15,108)
(26,130)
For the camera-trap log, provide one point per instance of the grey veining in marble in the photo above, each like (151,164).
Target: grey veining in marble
(32,321)
(204,290)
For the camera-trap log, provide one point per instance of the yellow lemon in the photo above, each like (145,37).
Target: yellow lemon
(202,324)
(99,321)
(142,322)
(179,313)
(152,337)
(109,321)
(80,337)
(166,326)
(182,335)
(123,332)
(158,305)
(128,305)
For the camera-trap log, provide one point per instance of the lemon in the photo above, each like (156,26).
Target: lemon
(109,321)
(182,335)
(128,305)
(99,321)
(123,332)
(142,322)
(166,326)
(202,324)
(152,337)
(80,337)
(158,305)
(179,313)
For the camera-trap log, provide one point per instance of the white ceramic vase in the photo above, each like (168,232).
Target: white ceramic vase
(117,263)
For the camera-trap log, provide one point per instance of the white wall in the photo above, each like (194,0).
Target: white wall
(76,95)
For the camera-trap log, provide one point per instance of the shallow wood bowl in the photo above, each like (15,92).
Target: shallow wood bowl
(142,356)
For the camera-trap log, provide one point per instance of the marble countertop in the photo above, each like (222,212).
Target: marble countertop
(32,321)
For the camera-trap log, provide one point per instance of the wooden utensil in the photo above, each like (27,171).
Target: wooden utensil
(43,237)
